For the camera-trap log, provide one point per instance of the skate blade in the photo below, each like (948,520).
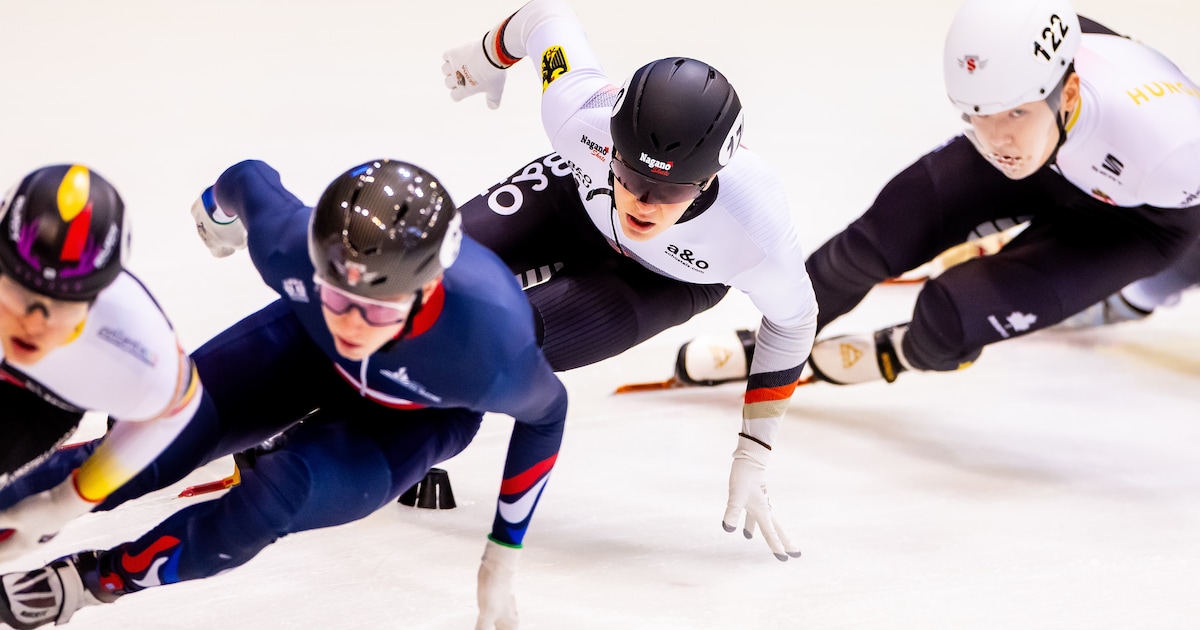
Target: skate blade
(905,280)
(212,486)
(674,383)
(670,383)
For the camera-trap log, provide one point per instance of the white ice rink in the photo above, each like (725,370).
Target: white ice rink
(1054,485)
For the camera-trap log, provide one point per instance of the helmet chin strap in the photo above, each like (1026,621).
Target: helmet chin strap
(1060,122)
(612,212)
(1054,102)
(418,302)
(703,202)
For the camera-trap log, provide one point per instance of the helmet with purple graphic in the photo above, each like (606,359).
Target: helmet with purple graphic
(63,233)
(676,122)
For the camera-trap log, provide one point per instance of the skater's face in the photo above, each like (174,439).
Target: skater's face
(645,207)
(360,327)
(31,324)
(1019,141)
(643,221)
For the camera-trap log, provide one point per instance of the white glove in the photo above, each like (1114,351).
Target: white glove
(748,492)
(497,604)
(222,233)
(37,518)
(468,70)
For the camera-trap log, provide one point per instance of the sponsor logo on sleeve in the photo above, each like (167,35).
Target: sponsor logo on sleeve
(599,151)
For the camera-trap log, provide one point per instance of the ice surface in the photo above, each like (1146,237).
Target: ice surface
(1053,485)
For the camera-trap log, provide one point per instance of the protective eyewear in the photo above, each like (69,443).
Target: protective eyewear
(374,312)
(19,300)
(648,190)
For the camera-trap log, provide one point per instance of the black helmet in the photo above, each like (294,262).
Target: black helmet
(677,120)
(383,229)
(64,233)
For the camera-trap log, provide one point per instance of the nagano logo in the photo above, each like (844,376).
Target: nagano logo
(598,150)
(658,166)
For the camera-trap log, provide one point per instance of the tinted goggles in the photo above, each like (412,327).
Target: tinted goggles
(21,301)
(648,190)
(374,312)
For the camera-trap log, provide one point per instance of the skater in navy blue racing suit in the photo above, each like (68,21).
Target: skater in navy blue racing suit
(392,336)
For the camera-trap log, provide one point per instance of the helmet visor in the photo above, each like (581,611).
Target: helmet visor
(374,312)
(648,190)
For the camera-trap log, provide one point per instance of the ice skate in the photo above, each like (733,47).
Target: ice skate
(50,594)
(706,360)
(1112,310)
(715,359)
(859,358)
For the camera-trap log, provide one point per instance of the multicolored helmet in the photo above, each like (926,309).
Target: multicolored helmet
(63,232)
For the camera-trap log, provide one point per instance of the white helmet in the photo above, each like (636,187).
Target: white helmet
(1004,53)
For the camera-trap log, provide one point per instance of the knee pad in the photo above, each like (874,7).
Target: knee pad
(935,338)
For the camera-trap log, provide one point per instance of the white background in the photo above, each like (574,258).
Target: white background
(1053,485)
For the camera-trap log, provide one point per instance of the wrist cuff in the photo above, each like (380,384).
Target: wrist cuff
(502,544)
(755,440)
(494,50)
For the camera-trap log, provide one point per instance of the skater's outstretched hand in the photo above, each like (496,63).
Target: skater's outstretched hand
(748,493)
(467,70)
(222,233)
(497,604)
(37,518)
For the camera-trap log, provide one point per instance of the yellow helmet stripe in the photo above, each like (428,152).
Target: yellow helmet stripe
(73,192)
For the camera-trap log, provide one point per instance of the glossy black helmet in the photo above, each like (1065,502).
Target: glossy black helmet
(63,232)
(677,120)
(383,229)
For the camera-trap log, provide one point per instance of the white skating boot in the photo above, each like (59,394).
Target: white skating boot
(1112,310)
(50,594)
(715,359)
(849,359)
